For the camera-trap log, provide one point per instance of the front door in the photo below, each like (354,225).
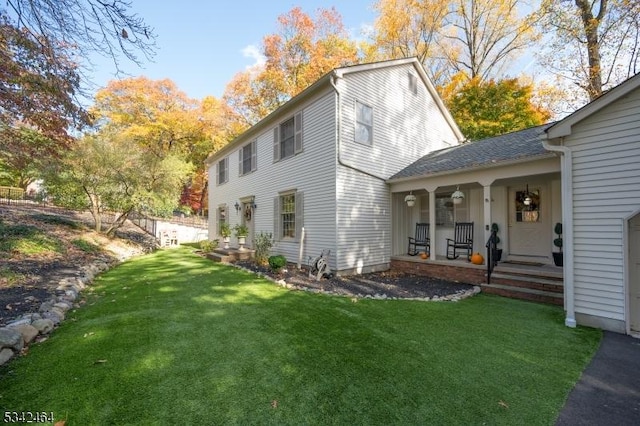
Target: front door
(529,231)
(634,274)
(247,219)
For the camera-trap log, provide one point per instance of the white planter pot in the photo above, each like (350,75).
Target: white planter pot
(226,240)
(241,242)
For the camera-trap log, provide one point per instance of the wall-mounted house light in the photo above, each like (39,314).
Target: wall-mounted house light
(457,196)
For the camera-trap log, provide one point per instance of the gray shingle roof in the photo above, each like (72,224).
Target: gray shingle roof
(484,152)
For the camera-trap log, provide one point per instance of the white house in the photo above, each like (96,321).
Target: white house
(583,171)
(322,160)
(340,159)
(600,148)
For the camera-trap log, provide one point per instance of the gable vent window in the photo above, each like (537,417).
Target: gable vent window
(413,84)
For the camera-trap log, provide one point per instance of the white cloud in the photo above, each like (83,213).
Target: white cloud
(254,53)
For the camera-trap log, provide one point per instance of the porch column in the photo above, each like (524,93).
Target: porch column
(486,185)
(432,220)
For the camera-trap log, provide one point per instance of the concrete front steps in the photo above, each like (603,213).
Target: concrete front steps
(530,284)
(231,254)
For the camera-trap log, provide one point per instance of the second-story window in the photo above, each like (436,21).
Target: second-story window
(287,138)
(247,158)
(364,124)
(223,171)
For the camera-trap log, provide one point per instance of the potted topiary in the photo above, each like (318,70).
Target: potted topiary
(241,230)
(558,258)
(497,254)
(225,233)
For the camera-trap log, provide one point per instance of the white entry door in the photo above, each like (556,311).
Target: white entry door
(634,274)
(529,224)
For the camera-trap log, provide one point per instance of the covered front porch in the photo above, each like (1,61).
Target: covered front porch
(510,183)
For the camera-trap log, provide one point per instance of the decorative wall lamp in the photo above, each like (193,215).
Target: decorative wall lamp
(410,199)
(457,196)
(238,207)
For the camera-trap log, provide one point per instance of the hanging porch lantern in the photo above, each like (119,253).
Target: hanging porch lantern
(527,197)
(410,199)
(457,196)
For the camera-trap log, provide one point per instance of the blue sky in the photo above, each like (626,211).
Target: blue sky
(203,44)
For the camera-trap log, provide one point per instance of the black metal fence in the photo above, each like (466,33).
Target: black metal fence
(13,195)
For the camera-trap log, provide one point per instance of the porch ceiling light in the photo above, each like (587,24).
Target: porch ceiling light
(457,196)
(410,199)
(527,197)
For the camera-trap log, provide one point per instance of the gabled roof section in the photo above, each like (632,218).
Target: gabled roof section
(563,127)
(489,152)
(324,82)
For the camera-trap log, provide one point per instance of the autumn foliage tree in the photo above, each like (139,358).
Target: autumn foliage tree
(491,108)
(592,45)
(162,120)
(108,28)
(109,172)
(478,37)
(297,55)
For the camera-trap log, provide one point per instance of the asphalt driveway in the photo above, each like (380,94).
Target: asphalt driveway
(608,392)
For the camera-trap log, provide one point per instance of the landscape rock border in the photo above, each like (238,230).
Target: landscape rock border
(453,297)
(18,334)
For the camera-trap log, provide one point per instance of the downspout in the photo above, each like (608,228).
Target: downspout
(332,80)
(566,174)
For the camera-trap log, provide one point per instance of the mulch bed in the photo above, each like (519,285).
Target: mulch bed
(40,275)
(392,284)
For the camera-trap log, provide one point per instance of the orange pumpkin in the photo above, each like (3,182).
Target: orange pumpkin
(424,255)
(477,259)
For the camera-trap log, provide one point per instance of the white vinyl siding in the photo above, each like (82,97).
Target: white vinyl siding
(312,173)
(344,210)
(406,126)
(247,156)
(364,221)
(606,177)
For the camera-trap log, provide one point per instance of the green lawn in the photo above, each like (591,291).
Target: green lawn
(172,338)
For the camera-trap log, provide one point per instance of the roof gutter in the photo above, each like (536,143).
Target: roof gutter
(471,169)
(566,175)
(332,81)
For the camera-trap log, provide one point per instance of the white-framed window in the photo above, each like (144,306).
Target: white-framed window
(287,138)
(364,124)
(247,157)
(447,213)
(413,84)
(288,215)
(222,173)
